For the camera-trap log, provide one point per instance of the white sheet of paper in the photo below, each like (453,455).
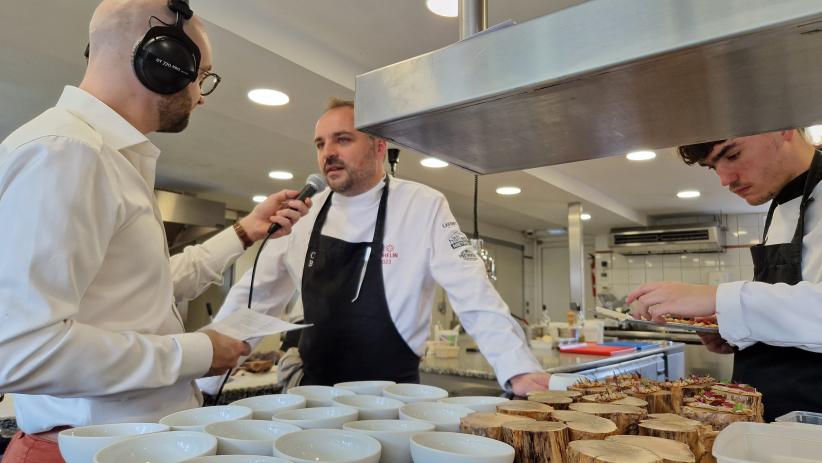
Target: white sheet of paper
(245,324)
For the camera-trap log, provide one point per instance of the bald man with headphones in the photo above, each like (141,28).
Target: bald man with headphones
(88,292)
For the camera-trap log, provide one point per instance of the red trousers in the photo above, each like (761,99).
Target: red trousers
(27,448)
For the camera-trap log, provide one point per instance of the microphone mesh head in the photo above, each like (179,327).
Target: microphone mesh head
(316,181)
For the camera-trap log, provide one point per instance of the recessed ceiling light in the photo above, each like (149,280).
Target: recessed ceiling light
(433,163)
(259,198)
(556,231)
(688,194)
(447,8)
(281,175)
(268,97)
(508,190)
(815,132)
(585,216)
(641,155)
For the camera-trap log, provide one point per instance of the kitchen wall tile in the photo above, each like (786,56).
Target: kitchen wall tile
(748,228)
(671,261)
(621,291)
(654,274)
(745,259)
(709,260)
(636,276)
(619,276)
(729,258)
(671,274)
(733,273)
(619,261)
(731,235)
(690,261)
(653,261)
(705,275)
(691,275)
(746,273)
(636,262)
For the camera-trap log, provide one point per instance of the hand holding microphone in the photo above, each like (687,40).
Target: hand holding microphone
(280,211)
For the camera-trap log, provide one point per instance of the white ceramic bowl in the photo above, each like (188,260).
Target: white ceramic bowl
(161,447)
(237,459)
(450,447)
(365,387)
(410,393)
(319,396)
(478,403)
(195,419)
(248,437)
(393,435)
(371,407)
(445,417)
(318,417)
(78,445)
(328,445)
(265,406)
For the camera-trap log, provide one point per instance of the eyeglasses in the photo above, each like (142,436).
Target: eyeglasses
(208,83)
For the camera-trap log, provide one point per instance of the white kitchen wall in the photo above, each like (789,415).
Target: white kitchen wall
(620,274)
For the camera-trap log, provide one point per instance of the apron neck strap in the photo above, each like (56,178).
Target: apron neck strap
(379,228)
(814,176)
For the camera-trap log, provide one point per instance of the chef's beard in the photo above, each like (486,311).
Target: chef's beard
(174,112)
(355,176)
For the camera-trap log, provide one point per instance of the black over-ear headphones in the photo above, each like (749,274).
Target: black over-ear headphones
(166,60)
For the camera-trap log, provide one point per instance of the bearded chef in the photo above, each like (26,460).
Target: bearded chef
(366,260)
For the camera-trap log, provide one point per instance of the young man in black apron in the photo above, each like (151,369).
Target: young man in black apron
(775,324)
(366,261)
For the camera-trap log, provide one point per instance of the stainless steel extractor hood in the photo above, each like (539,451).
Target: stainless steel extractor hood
(188,219)
(603,78)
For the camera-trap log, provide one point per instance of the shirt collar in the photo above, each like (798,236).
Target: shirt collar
(363,199)
(117,132)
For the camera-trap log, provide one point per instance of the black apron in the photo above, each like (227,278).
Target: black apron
(789,378)
(350,340)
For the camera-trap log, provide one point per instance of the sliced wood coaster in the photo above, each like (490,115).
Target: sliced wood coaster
(536,441)
(625,417)
(632,401)
(488,424)
(584,425)
(527,408)
(570,394)
(601,451)
(557,402)
(678,430)
(670,451)
(658,402)
(718,420)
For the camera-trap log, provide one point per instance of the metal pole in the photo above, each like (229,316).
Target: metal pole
(473,17)
(576,258)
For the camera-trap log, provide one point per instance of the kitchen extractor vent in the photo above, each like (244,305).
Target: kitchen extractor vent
(667,240)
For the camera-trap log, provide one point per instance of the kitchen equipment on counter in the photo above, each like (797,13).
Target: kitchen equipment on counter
(79,445)
(451,447)
(410,393)
(365,387)
(195,419)
(478,403)
(371,407)
(328,445)
(393,435)
(319,396)
(248,437)
(264,407)
(800,417)
(318,417)
(445,417)
(161,447)
(591,348)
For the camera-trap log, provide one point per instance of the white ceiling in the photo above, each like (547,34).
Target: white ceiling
(312,50)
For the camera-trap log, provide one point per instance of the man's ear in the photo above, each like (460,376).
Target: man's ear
(380,147)
(788,135)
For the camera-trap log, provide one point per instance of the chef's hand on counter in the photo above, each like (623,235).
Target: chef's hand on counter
(227,352)
(522,384)
(280,208)
(655,300)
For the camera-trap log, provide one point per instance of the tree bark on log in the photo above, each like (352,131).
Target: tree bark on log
(670,451)
(677,430)
(600,451)
(536,441)
(554,401)
(625,417)
(582,426)
(718,420)
(488,424)
(658,402)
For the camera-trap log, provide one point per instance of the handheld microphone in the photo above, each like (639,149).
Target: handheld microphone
(313,184)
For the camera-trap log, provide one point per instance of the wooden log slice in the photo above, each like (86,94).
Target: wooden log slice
(556,402)
(570,394)
(658,402)
(708,438)
(488,424)
(527,408)
(584,425)
(600,451)
(536,441)
(625,417)
(677,430)
(670,451)
(671,416)
(718,420)
(632,401)
(753,399)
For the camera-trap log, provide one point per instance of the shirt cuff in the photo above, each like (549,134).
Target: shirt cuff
(197,354)
(224,245)
(513,363)
(729,314)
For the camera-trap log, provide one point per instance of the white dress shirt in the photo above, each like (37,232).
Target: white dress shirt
(779,314)
(423,246)
(90,333)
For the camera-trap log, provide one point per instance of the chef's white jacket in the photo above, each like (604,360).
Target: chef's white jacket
(779,314)
(89,332)
(423,246)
